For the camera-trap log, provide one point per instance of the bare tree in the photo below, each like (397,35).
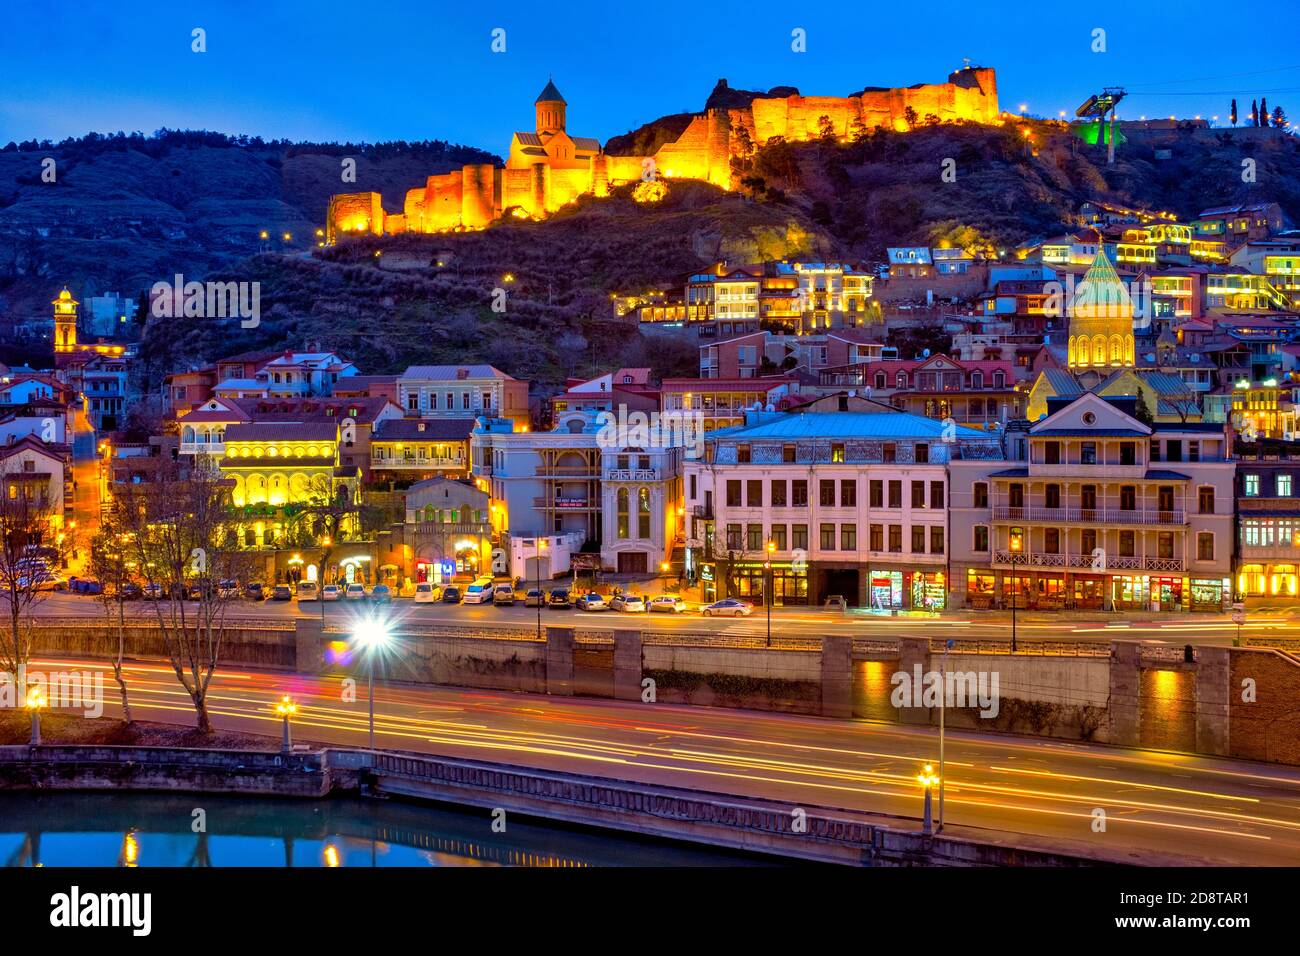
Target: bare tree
(181,535)
(111,565)
(31,547)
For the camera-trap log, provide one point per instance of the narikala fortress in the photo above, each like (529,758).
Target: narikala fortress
(549,168)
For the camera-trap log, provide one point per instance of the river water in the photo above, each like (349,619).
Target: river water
(144,829)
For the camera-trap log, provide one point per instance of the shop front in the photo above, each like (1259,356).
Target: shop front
(885,590)
(789,587)
(981,589)
(1210,594)
(928,590)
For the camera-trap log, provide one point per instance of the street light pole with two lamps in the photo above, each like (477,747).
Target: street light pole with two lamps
(372,634)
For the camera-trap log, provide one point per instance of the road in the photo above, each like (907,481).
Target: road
(974,625)
(1160,803)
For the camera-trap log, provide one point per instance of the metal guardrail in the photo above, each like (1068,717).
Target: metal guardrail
(150,620)
(1030,648)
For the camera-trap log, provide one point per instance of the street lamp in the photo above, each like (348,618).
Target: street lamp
(35,701)
(927,779)
(286,708)
(372,634)
(541,546)
(1017,542)
(769,585)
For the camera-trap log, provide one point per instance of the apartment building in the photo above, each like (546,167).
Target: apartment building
(462,391)
(1100,511)
(848,503)
(1268,527)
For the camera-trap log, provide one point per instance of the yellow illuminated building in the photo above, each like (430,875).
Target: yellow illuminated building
(1101,320)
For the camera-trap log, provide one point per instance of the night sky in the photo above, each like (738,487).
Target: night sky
(409,69)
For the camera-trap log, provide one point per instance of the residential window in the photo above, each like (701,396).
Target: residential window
(754,537)
(1052,540)
(1174,450)
(1128,453)
(826,493)
(918,494)
(1052,453)
(742,455)
(828,537)
(413,402)
(896,538)
(890,452)
(895,493)
(778,536)
(1205,546)
(754,493)
(733,537)
(1088,453)
(643,513)
(848,537)
(1017,495)
(733,493)
(981,542)
(799,537)
(1088,540)
(877,493)
(922,453)
(1193,451)
(1284,486)
(1252,485)
(1127,498)
(877,542)
(1052,496)
(1126,544)
(848,493)
(837,451)
(918,539)
(981,494)
(936,495)
(623,527)
(1205,499)
(778,494)
(1165,544)
(936,539)
(788,454)
(799,493)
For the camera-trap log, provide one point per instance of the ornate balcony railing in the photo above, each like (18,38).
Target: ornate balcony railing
(1098,563)
(1106,515)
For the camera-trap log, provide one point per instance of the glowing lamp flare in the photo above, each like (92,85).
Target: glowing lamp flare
(36,698)
(286,707)
(927,777)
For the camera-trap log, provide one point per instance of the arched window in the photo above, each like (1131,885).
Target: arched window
(1099,350)
(622,513)
(643,513)
(1116,350)
(428,512)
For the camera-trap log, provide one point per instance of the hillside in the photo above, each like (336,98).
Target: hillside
(123,218)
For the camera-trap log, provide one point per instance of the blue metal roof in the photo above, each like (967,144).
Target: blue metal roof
(853,425)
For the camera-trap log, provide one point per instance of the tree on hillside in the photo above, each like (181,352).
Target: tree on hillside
(1232,113)
(31,545)
(181,534)
(1263,112)
(1279,118)
(1254,113)
(909,115)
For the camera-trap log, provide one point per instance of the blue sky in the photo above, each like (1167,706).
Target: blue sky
(415,69)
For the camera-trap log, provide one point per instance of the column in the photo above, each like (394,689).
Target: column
(837,676)
(559,661)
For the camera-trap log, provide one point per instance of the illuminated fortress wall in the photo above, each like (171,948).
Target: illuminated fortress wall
(548,169)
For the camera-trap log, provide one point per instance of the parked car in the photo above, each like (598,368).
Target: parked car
(559,597)
(281,592)
(152,592)
(836,602)
(308,591)
(480,592)
(424,593)
(535,598)
(503,595)
(728,607)
(628,603)
(331,592)
(198,590)
(254,592)
(381,594)
(591,601)
(131,591)
(228,589)
(354,592)
(669,603)
(450,594)
(85,586)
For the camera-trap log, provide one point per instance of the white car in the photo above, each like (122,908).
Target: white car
(728,607)
(331,592)
(308,591)
(479,592)
(591,601)
(628,603)
(354,592)
(424,593)
(670,603)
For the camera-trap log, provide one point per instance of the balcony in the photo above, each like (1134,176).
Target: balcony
(1090,516)
(1086,562)
(632,474)
(202,448)
(418,461)
(703,512)
(568,471)
(1258,553)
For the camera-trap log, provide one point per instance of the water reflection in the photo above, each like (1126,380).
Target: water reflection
(152,830)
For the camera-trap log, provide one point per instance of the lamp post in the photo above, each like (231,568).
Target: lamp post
(769,585)
(541,546)
(35,701)
(927,779)
(1016,544)
(286,708)
(372,634)
(325,543)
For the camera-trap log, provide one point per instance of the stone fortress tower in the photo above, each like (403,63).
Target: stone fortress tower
(547,168)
